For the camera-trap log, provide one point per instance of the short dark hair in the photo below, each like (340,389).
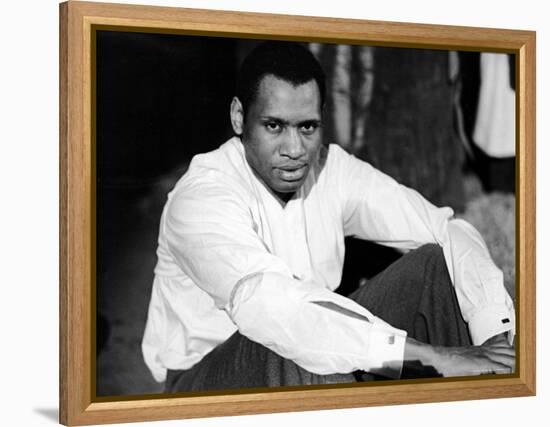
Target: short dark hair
(288,61)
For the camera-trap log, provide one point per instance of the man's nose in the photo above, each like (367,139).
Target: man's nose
(293,146)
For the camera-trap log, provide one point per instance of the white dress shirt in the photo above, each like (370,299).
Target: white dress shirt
(231,257)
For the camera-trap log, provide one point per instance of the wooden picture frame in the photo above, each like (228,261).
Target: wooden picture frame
(78,403)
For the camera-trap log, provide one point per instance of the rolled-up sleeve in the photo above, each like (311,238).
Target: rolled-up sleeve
(378,208)
(211,234)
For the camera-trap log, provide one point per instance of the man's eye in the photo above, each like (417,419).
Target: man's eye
(309,128)
(273,127)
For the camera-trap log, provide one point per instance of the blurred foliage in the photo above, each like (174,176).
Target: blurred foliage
(493,214)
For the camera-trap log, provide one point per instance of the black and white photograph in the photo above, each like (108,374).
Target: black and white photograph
(278,213)
(293,213)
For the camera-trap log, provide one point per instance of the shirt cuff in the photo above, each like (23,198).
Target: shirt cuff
(491,321)
(386,350)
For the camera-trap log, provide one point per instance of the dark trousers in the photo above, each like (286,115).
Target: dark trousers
(414,294)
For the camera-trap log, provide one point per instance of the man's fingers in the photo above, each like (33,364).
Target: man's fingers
(503,359)
(511,351)
(496,367)
(497,339)
(506,360)
(497,345)
(501,368)
(500,347)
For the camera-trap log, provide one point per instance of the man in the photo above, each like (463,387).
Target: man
(251,248)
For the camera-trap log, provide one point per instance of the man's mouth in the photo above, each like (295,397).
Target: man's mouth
(292,172)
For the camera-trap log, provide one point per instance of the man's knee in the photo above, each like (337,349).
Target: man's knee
(429,264)
(429,254)
(430,250)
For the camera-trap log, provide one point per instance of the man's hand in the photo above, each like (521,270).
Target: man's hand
(494,356)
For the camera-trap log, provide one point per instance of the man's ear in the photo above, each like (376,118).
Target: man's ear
(237,116)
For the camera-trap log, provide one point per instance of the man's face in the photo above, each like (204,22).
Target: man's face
(282,133)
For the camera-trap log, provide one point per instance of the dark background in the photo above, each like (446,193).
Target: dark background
(163,98)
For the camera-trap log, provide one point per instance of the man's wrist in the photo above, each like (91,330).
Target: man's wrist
(416,351)
(421,360)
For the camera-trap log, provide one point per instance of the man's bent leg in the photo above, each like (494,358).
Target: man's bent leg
(415,294)
(242,363)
